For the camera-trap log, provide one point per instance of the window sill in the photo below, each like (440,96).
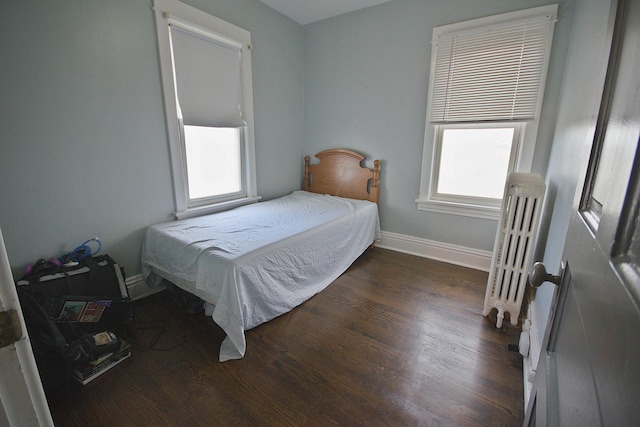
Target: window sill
(450,208)
(218,207)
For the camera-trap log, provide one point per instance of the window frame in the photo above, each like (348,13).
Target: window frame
(434,195)
(165,12)
(522,154)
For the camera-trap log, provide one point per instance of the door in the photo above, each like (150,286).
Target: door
(589,371)
(22,399)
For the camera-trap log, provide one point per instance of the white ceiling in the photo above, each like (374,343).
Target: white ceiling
(307,11)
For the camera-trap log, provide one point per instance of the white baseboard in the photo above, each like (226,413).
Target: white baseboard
(138,288)
(453,254)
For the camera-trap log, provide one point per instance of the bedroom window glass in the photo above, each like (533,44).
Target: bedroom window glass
(206,74)
(474,162)
(204,143)
(486,86)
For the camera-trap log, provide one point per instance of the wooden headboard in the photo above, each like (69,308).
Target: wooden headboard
(339,173)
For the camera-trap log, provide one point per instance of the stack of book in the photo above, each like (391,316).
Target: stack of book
(93,369)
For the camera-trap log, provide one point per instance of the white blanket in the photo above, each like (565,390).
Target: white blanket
(257,262)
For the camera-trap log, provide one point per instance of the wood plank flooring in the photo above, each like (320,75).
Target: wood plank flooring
(397,340)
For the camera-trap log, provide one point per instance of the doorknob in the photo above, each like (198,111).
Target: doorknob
(538,275)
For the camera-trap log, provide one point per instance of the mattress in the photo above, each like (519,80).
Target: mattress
(254,263)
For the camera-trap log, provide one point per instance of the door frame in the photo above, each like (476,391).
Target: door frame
(22,398)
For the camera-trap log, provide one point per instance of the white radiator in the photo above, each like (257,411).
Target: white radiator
(514,245)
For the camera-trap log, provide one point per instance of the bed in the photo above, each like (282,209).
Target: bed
(256,262)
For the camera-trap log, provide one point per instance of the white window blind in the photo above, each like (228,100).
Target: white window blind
(207,77)
(494,73)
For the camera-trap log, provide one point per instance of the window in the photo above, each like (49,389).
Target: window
(474,162)
(486,86)
(206,75)
(222,144)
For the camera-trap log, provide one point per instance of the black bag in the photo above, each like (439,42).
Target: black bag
(63,306)
(88,297)
(50,348)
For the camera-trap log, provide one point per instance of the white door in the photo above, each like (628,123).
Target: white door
(589,371)
(22,399)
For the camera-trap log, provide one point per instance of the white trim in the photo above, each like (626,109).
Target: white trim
(165,10)
(207,33)
(218,207)
(452,254)
(449,208)
(487,21)
(22,397)
(526,145)
(445,252)
(138,288)
(530,361)
(178,11)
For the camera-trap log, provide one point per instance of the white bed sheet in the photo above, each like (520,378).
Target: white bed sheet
(257,262)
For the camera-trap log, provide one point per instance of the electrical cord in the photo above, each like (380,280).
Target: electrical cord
(158,331)
(82,251)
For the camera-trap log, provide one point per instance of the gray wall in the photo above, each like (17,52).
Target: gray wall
(366,78)
(83,148)
(580,97)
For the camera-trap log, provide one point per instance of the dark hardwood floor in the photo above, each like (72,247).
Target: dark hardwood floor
(397,340)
